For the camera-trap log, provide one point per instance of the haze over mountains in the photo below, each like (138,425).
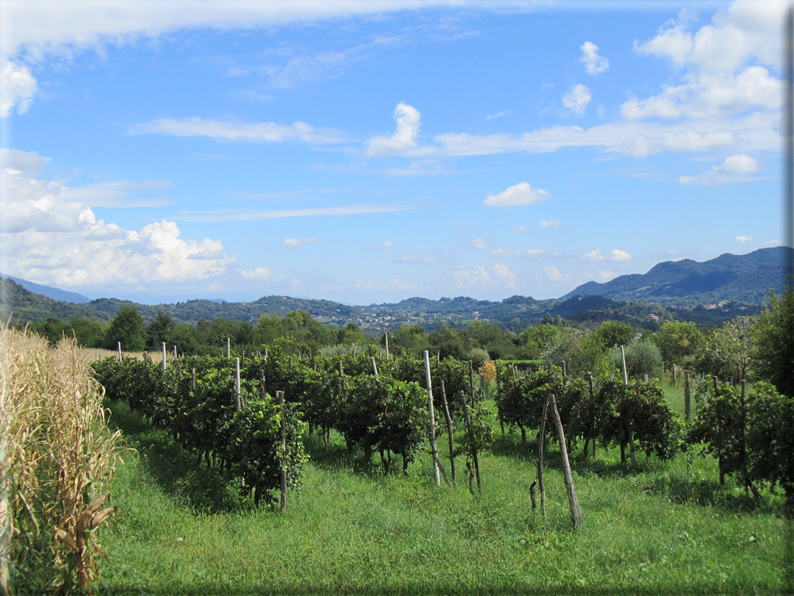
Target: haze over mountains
(716,289)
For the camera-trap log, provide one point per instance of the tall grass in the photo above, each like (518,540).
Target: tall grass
(57,456)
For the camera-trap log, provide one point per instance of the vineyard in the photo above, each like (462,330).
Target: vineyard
(286,430)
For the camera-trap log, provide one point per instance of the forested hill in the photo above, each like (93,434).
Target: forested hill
(738,278)
(49,292)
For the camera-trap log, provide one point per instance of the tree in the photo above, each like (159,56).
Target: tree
(642,358)
(732,345)
(773,336)
(679,341)
(159,331)
(127,328)
(614,333)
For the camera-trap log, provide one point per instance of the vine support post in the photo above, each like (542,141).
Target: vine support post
(386,335)
(450,430)
(193,373)
(592,397)
(374,366)
(576,510)
(675,372)
(119,344)
(564,372)
(175,353)
(433,446)
(482,384)
(515,378)
(687,399)
(541,438)
(623,360)
(237,394)
(471,379)
(228,348)
(283,437)
(164,364)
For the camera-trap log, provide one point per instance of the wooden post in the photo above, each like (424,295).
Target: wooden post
(387,345)
(228,348)
(283,433)
(341,372)
(576,511)
(623,360)
(482,385)
(645,378)
(515,378)
(541,438)
(164,365)
(237,383)
(716,384)
(262,391)
(374,366)
(450,431)
(433,446)
(175,353)
(265,355)
(675,372)
(474,456)
(193,374)
(592,395)
(119,344)
(687,400)
(471,379)
(564,372)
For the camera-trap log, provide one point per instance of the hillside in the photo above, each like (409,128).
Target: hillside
(54,293)
(727,278)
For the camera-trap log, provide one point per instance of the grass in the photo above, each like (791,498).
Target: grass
(666,528)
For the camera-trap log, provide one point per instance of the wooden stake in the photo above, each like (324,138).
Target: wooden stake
(476,459)
(228,348)
(283,433)
(576,511)
(237,383)
(374,366)
(541,438)
(387,345)
(623,360)
(687,400)
(164,356)
(433,446)
(450,431)
(119,343)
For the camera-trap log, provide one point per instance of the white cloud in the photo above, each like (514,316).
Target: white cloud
(520,194)
(744,239)
(521,229)
(415,259)
(554,274)
(605,274)
(387,244)
(505,275)
(478,243)
(733,169)
(282,213)
(59,241)
(594,63)
(17,88)
(296,242)
(577,99)
(721,65)
(406,286)
(476,276)
(267,132)
(404,136)
(260,273)
(535,252)
(497,115)
(549,224)
(365,284)
(507,253)
(615,255)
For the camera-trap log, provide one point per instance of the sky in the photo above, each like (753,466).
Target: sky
(367,151)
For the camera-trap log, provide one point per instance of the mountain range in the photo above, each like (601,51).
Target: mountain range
(707,292)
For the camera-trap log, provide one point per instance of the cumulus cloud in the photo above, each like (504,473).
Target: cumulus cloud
(520,194)
(296,242)
(260,273)
(59,241)
(593,62)
(17,88)
(404,136)
(521,229)
(478,243)
(577,99)
(507,277)
(387,244)
(507,253)
(605,274)
(476,276)
(721,65)
(744,239)
(535,252)
(733,169)
(554,274)
(615,255)
(549,224)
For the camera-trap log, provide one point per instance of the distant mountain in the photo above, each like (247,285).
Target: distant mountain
(26,306)
(54,293)
(737,278)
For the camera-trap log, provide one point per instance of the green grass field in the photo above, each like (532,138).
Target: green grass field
(666,528)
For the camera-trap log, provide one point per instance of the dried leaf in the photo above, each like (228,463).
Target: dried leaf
(62,536)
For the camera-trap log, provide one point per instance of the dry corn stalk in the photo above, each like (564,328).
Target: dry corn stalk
(56,448)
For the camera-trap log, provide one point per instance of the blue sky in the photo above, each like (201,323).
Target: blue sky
(372,151)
